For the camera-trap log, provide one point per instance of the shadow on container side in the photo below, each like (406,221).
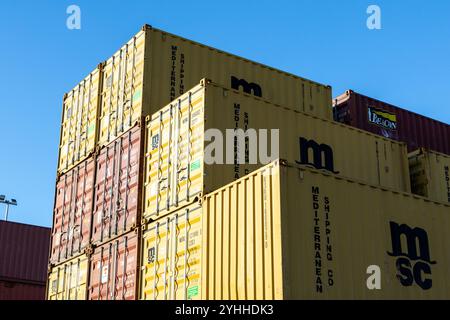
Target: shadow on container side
(430,174)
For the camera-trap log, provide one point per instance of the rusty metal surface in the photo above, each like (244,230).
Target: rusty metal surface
(73,212)
(114,267)
(117,187)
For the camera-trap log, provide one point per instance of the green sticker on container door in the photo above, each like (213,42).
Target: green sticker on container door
(192,292)
(137,95)
(195,165)
(91,129)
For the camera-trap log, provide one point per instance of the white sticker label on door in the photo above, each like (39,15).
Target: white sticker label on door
(153,189)
(105,274)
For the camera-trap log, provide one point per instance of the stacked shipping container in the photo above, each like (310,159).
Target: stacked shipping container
(137,214)
(116,218)
(68,281)
(177,143)
(95,243)
(244,241)
(79,122)
(73,212)
(23,261)
(74,192)
(94,233)
(156,67)
(384,119)
(290,232)
(430,174)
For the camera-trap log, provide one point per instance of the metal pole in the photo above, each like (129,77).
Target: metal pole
(6,213)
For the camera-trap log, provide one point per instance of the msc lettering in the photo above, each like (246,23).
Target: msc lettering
(322,155)
(414,265)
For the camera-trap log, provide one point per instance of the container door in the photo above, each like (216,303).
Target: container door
(78,132)
(116,209)
(53,284)
(68,282)
(113,270)
(122,94)
(172,257)
(174,156)
(73,212)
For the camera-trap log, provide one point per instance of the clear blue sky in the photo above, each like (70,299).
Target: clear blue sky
(406,63)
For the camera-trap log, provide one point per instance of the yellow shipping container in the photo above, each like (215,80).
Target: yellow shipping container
(291,232)
(172,266)
(175,148)
(68,281)
(155,67)
(430,174)
(79,122)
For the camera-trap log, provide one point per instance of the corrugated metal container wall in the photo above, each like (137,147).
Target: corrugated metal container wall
(155,67)
(24,251)
(114,268)
(118,187)
(171,266)
(79,122)
(289,232)
(430,174)
(73,212)
(176,171)
(68,281)
(387,120)
(10,290)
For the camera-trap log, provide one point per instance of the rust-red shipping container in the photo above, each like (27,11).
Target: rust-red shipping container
(392,122)
(73,212)
(114,268)
(13,290)
(117,202)
(23,252)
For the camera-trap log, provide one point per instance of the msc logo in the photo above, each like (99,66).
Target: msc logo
(414,264)
(250,88)
(322,155)
(382,118)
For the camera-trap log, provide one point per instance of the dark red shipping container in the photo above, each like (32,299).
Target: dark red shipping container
(392,122)
(24,251)
(114,269)
(12,290)
(73,212)
(117,202)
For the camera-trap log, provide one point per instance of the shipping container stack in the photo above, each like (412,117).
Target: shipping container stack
(116,218)
(287,231)
(97,202)
(146,209)
(335,205)
(74,192)
(99,192)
